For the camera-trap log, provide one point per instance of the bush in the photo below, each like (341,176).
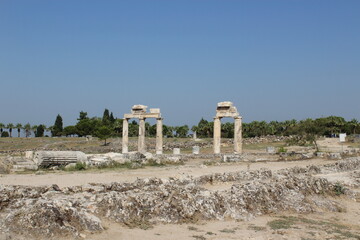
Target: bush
(282,150)
(80,166)
(5,134)
(339,189)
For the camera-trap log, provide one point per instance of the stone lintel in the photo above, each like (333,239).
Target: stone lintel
(227,114)
(143,115)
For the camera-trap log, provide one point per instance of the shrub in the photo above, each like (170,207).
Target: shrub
(282,150)
(80,166)
(339,189)
(4,134)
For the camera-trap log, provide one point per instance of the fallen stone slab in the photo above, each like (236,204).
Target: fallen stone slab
(58,158)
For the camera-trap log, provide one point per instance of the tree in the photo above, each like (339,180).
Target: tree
(227,130)
(306,131)
(2,126)
(34,129)
(204,128)
(112,119)
(354,124)
(118,126)
(133,129)
(69,130)
(82,116)
(182,131)
(40,130)
(19,127)
(49,129)
(106,118)
(27,128)
(103,133)
(168,131)
(58,126)
(87,126)
(10,126)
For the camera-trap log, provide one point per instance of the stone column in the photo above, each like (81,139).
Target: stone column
(217,135)
(141,141)
(125,134)
(159,136)
(238,135)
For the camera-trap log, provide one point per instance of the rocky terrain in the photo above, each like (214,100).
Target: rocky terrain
(28,212)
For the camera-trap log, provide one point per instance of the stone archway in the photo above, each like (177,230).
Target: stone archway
(226,109)
(139,112)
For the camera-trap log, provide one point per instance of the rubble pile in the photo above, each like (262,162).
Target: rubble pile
(51,211)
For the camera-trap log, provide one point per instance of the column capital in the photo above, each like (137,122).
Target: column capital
(160,118)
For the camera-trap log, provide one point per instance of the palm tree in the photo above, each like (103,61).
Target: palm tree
(34,128)
(10,126)
(27,128)
(19,127)
(354,123)
(49,129)
(2,126)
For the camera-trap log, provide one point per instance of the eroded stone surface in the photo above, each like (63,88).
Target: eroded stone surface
(51,211)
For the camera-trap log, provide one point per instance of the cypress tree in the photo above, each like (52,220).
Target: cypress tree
(106,118)
(58,126)
(112,119)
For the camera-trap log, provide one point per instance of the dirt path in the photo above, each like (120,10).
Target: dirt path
(194,168)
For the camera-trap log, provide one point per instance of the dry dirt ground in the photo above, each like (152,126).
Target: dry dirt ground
(344,224)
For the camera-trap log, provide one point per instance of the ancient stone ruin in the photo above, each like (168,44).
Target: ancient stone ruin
(139,112)
(226,109)
(56,158)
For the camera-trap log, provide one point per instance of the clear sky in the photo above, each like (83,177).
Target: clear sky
(276,60)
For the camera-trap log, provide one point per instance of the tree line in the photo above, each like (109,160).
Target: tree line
(325,126)
(109,126)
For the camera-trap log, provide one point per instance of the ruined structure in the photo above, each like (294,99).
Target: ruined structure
(139,112)
(56,158)
(226,109)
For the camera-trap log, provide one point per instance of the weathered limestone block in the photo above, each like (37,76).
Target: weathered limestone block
(176,151)
(226,109)
(335,156)
(138,109)
(270,150)
(232,158)
(29,155)
(55,158)
(196,150)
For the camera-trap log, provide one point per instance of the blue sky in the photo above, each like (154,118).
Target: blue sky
(276,60)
